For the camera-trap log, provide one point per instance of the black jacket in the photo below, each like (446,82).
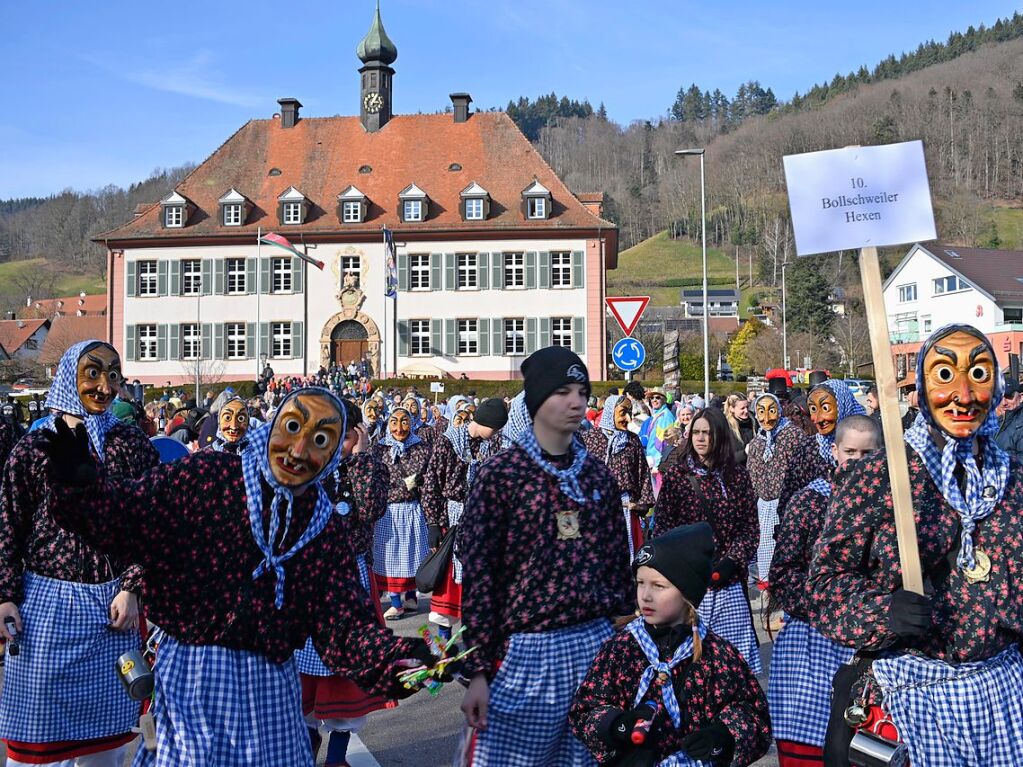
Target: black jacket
(1010,435)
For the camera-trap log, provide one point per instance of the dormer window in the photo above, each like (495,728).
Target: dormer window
(475,203)
(234,208)
(352,206)
(413,204)
(292,207)
(536,201)
(174,210)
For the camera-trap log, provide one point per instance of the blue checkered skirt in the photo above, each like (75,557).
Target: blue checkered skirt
(803,663)
(63,685)
(307,660)
(530,697)
(956,716)
(682,759)
(727,613)
(767,511)
(400,540)
(455,509)
(217,707)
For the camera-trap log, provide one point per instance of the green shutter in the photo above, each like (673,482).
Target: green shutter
(450,338)
(497,336)
(531,270)
(131,343)
(218,277)
(436,340)
(174,347)
(545,268)
(403,338)
(530,335)
(297,275)
(450,272)
(131,279)
(175,278)
(403,277)
(250,338)
(207,277)
(545,332)
(206,342)
(264,340)
(483,269)
(161,278)
(497,271)
(218,341)
(436,273)
(250,277)
(161,342)
(483,326)
(577,268)
(265,275)
(298,340)
(579,335)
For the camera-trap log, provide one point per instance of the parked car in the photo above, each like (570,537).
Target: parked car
(858,386)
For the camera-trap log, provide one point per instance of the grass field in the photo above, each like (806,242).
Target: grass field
(67,283)
(1009,222)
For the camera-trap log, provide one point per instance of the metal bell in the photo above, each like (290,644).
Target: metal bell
(855,715)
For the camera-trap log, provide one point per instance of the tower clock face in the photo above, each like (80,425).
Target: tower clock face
(374,102)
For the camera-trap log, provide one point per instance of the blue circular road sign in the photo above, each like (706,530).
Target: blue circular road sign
(628,354)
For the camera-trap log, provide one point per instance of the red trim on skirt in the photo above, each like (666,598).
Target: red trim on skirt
(62,750)
(394,585)
(447,600)
(637,531)
(793,754)
(338,697)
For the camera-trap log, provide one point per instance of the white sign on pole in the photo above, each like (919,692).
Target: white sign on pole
(858,197)
(437,386)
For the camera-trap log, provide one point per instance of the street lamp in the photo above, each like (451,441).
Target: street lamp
(706,303)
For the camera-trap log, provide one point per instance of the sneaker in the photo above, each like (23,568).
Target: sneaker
(393,613)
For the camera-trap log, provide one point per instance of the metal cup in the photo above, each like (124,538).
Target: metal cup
(869,750)
(135,675)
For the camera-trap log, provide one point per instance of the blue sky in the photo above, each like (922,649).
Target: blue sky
(104,92)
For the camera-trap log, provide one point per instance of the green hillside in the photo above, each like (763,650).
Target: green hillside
(1008,225)
(65,283)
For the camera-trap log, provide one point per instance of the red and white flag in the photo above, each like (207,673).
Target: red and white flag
(282,242)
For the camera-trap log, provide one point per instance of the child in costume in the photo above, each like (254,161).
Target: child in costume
(244,560)
(804,662)
(707,485)
(700,702)
(545,566)
(61,699)
(948,671)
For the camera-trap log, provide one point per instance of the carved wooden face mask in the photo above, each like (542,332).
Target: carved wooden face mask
(303,439)
(371,411)
(399,425)
(823,410)
(622,415)
(233,420)
(959,383)
(412,405)
(768,413)
(99,378)
(461,417)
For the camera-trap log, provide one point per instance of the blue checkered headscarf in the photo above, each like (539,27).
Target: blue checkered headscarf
(460,441)
(616,438)
(518,420)
(847,406)
(64,398)
(256,470)
(398,447)
(568,479)
(771,435)
(984,487)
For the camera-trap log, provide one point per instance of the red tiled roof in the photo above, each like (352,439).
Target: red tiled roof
(70,305)
(997,272)
(14,333)
(322,156)
(67,331)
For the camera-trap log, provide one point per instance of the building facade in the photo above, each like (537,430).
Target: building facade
(492,255)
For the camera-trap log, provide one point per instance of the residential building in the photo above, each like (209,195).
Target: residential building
(724,302)
(23,339)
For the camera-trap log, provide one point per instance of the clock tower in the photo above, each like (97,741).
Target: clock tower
(377,53)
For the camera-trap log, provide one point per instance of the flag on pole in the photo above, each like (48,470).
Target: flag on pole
(282,242)
(391,265)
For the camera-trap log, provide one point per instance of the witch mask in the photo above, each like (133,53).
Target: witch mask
(959,382)
(233,420)
(399,425)
(303,439)
(823,407)
(623,414)
(767,412)
(372,410)
(99,378)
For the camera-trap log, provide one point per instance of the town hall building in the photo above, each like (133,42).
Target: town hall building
(493,256)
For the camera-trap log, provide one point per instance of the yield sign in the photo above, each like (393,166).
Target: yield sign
(627,310)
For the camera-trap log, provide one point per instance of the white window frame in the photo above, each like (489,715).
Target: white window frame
(419,271)
(907,293)
(282,278)
(925,324)
(561,331)
(561,269)
(960,285)
(191,278)
(474,208)
(235,341)
(514,336)
(174,216)
(1011,309)
(468,338)
(536,207)
(281,340)
(419,338)
(351,211)
(292,213)
(352,264)
(467,271)
(412,210)
(191,341)
(147,278)
(147,342)
(237,275)
(232,214)
(514,271)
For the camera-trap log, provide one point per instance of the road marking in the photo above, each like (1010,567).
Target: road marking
(359,755)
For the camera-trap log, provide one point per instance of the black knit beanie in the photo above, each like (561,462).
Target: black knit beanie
(683,556)
(492,413)
(549,368)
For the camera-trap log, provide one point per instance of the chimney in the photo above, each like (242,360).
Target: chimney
(461,101)
(21,324)
(289,112)
(10,315)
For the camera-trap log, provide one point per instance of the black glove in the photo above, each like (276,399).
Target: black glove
(434,535)
(713,743)
(620,732)
(71,460)
(909,615)
(722,573)
(420,651)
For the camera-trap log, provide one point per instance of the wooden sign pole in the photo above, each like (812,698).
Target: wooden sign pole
(891,420)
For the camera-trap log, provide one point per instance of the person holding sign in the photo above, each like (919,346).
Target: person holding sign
(948,663)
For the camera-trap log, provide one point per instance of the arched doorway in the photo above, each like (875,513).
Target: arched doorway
(349,340)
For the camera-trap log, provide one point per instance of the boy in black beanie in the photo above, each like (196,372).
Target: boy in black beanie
(712,712)
(545,566)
